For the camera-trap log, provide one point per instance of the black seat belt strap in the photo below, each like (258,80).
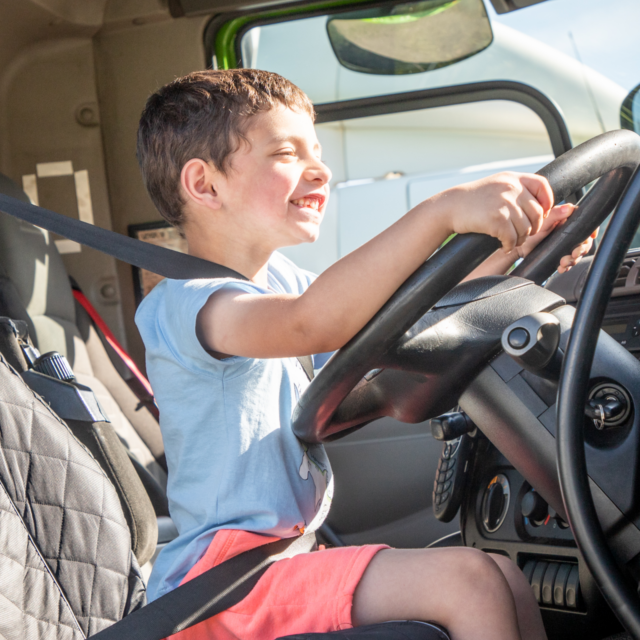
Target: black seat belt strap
(210,593)
(164,262)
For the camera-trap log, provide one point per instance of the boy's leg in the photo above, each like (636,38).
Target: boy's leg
(460,588)
(528,611)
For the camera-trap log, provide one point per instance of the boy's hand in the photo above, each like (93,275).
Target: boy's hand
(508,206)
(500,262)
(556,217)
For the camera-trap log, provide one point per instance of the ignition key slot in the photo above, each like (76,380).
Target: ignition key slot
(607,428)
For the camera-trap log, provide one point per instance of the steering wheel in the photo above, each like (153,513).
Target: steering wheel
(574,381)
(339,400)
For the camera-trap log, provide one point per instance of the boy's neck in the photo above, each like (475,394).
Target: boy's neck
(251,260)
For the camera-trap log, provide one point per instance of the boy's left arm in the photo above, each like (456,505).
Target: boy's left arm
(500,262)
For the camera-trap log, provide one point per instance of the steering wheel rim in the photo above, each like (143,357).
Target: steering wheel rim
(615,154)
(572,395)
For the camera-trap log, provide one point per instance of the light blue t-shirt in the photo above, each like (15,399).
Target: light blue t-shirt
(234,462)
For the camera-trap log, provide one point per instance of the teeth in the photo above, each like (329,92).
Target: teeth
(311,203)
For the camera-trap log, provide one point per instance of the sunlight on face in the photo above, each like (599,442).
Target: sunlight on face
(277,184)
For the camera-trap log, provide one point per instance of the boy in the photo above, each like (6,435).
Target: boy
(232,159)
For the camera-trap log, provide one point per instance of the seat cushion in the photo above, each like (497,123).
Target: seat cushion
(397,630)
(35,287)
(32,604)
(72,517)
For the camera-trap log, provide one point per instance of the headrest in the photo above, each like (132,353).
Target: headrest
(10,188)
(30,259)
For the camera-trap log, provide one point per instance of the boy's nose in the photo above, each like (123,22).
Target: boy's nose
(318,171)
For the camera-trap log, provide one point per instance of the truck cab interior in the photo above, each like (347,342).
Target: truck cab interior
(500,414)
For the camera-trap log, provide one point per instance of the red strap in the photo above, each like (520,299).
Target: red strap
(111,339)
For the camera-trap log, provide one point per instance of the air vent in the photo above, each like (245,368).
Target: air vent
(626,267)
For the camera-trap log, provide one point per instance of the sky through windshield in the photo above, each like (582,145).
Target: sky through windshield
(602,34)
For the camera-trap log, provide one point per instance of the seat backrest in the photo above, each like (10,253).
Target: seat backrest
(34,286)
(65,558)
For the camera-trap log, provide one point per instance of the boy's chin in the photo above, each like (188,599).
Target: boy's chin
(305,235)
(298,241)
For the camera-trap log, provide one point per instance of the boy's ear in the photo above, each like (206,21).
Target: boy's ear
(197,179)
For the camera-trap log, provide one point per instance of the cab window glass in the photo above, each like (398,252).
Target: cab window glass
(579,53)
(384,165)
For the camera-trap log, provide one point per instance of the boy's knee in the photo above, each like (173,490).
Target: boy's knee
(517,582)
(481,572)
(506,565)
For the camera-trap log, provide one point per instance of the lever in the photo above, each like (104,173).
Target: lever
(532,341)
(450,426)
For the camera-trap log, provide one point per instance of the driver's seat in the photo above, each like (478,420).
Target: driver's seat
(35,287)
(66,563)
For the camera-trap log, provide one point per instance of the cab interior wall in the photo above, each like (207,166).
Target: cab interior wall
(58,57)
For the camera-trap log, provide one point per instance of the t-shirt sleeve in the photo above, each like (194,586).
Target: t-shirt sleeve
(171,323)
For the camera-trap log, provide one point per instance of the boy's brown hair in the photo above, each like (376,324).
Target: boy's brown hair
(203,115)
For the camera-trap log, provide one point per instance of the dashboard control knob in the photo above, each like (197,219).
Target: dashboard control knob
(534,507)
(495,503)
(519,338)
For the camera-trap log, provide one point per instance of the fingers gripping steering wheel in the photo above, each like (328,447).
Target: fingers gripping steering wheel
(613,155)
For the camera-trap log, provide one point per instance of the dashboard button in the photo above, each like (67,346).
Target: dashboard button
(549,582)
(519,338)
(537,577)
(561,584)
(572,589)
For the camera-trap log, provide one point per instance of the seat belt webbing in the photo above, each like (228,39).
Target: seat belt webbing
(103,327)
(306,362)
(210,593)
(164,262)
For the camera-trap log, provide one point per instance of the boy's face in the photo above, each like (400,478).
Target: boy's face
(277,187)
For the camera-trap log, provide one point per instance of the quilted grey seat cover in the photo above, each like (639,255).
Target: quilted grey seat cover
(66,566)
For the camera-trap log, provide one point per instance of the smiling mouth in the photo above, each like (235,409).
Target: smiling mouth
(309,202)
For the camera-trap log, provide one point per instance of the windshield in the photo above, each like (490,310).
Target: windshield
(580,53)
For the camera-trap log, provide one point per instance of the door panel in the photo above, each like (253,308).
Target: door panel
(384,477)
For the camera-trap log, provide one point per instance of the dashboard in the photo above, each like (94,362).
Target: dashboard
(502,513)
(622,317)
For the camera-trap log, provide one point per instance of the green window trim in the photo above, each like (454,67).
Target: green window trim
(226,36)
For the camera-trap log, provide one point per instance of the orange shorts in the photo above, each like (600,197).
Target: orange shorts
(311,592)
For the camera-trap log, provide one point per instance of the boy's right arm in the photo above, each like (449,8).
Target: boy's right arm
(345,297)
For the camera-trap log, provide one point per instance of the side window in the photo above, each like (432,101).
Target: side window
(385,164)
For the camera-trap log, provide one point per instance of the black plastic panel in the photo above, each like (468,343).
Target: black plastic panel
(425,372)
(503,402)
(577,609)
